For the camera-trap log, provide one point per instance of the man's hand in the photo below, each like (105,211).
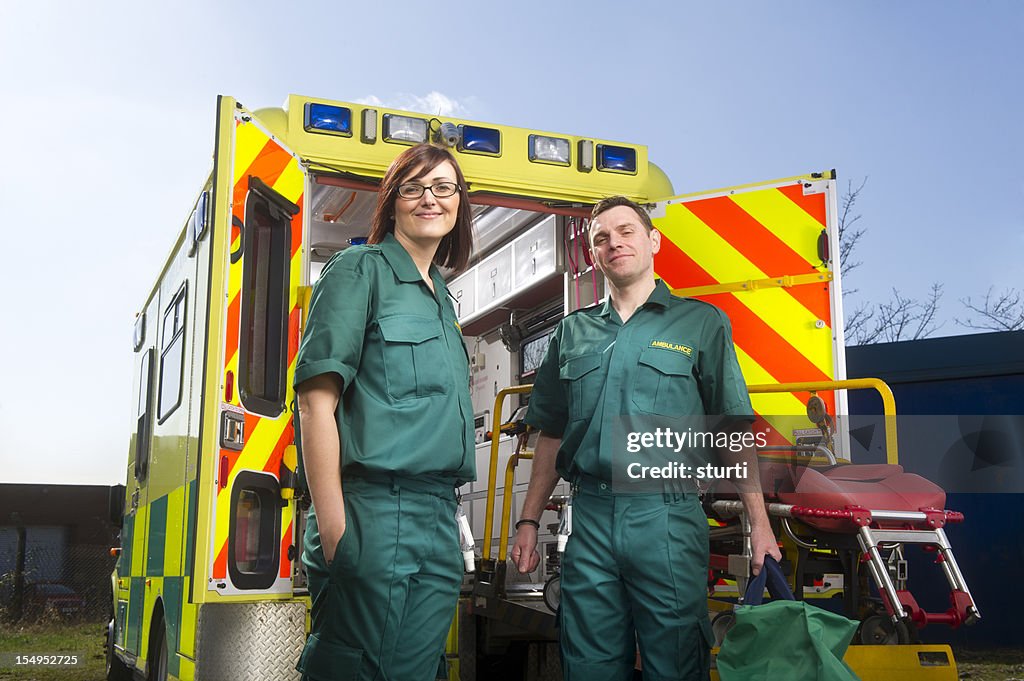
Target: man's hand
(762,542)
(524,551)
(762,539)
(543,478)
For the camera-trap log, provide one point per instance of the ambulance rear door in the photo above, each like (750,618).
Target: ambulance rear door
(766,254)
(259,192)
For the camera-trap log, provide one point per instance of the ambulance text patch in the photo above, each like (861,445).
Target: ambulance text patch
(685,349)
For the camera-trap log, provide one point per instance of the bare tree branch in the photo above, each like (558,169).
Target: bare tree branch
(926,314)
(857,325)
(901,318)
(893,317)
(1002,312)
(849,236)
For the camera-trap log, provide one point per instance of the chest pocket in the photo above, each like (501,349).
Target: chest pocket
(415,361)
(584,382)
(665,385)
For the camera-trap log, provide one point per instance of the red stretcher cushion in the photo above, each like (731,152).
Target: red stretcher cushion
(871,486)
(874,486)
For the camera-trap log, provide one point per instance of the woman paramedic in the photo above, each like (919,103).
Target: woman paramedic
(382,380)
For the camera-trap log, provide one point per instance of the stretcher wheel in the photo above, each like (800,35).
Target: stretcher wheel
(553,593)
(878,630)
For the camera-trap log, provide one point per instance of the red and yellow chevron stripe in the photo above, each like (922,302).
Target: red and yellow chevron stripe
(726,246)
(256,154)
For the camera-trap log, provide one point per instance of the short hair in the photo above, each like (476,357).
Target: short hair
(456,246)
(616,201)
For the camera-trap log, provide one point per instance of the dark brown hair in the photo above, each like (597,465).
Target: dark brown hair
(616,201)
(455,248)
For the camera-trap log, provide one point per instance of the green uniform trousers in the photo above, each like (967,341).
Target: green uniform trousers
(383,607)
(635,571)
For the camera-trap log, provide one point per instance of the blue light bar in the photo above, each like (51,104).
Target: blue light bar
(616,159)
(328,119)
(477,140)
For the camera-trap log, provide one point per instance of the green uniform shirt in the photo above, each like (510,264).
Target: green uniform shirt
(674,357)
(405,405)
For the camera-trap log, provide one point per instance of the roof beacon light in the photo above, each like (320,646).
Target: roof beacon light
(616,159)
(479,140)
(328,119)
(404,129)
(549,150)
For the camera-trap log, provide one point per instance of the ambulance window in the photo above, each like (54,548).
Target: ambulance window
(254,549)
(532,352)
(172,355)
(266,265)
(247,538)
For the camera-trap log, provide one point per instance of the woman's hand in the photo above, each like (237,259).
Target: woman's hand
(321,454)
(331,531)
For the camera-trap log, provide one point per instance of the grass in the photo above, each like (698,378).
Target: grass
(990,665)
(83,639)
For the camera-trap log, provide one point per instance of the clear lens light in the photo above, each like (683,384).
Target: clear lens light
(405,129)
(549,149)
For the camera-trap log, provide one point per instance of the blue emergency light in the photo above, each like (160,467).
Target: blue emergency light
(616,159)
(328,119)
(477,140)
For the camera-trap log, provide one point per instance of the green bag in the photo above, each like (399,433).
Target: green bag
(785,640)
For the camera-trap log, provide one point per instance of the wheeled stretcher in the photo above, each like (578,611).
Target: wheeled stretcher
(859,518)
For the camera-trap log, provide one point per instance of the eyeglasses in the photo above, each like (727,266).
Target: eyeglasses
(440,190)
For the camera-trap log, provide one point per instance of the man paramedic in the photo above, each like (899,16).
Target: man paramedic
(635,568)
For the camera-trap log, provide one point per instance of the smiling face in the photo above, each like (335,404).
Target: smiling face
(425,220)
(622,246)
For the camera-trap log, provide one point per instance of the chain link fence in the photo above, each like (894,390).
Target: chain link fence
(69,582)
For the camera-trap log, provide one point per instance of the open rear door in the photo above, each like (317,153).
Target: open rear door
(764,254)
(260,186)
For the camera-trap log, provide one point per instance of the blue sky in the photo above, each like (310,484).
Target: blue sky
(109,131)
